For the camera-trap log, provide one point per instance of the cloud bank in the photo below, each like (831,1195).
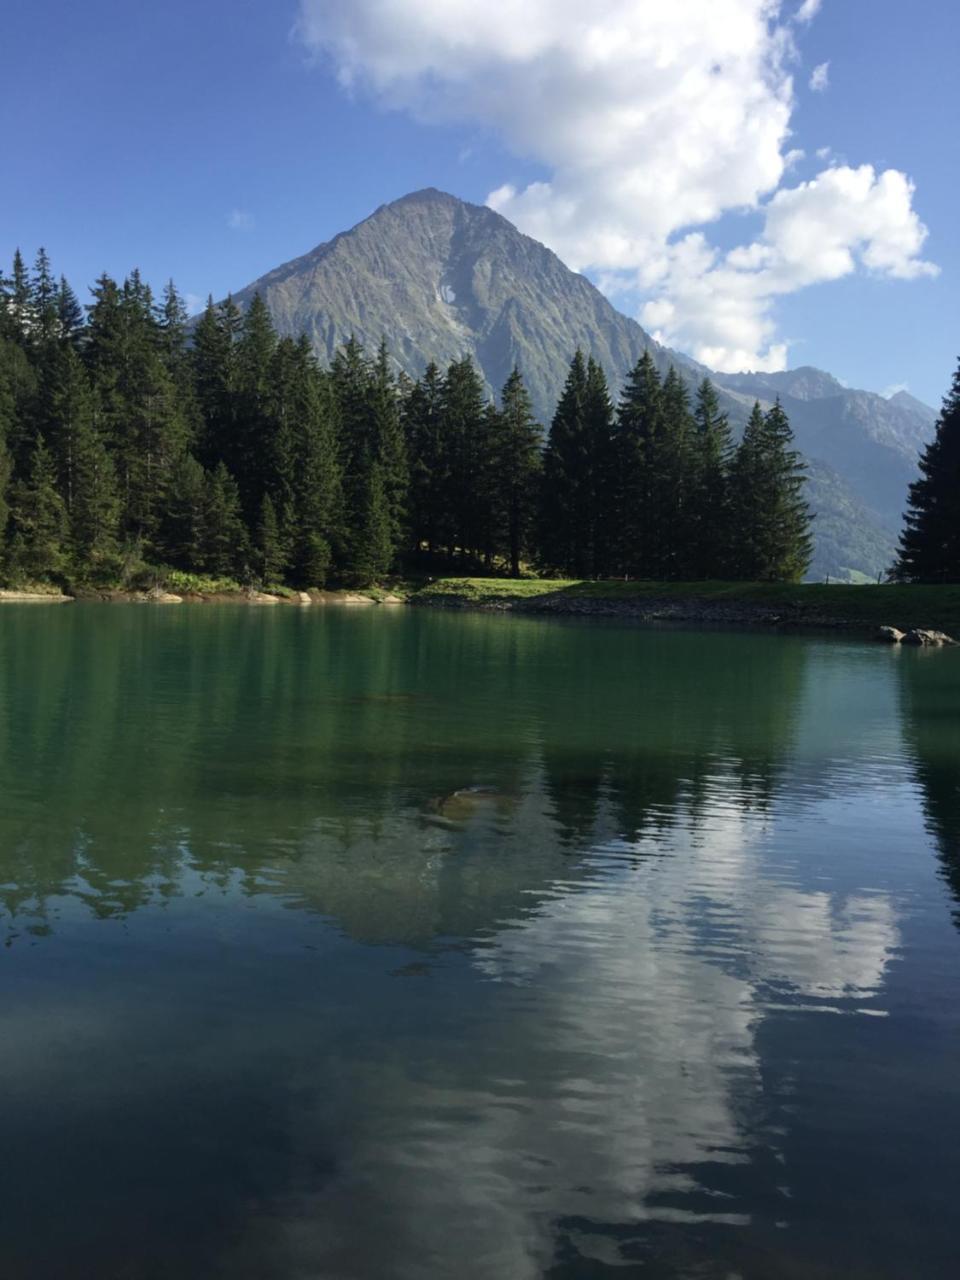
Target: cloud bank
(649,122)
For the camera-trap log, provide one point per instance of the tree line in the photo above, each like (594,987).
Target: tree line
(930,541)
(132,440)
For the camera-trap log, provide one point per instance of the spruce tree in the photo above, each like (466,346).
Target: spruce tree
(769,510)
(244,452)
(564,518)
(930,542)
(464,427)
(599,483)
(638,453)
(95,507)
(39,521)
(670,465)
(43,299)
(710,515)
(370,552)
(69,315)
(225,545)
(20,303)
(271,560)
(428,491)
(185,516)
(317,491)
(390,449)
(516,465)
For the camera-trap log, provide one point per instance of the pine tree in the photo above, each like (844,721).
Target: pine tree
(244,452)
(225,547)
(768,506)
(69,315)
(20,303)
(599,511)
(86,477)
(930,542)
(389,445)
(710,484)
(371,546)
(428,491)
(39,521)
(317,492)
(185,517)
(638,452)
(463,412)
(213,361)
(95,507)
(671,464)
(564,536)
(516,467)
(270,555)
(43,300)
(143,418)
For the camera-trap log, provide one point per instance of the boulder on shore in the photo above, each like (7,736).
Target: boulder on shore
(890,635)
(928,639)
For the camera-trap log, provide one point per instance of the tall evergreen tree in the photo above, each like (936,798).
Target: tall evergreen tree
(370,552)
(930,542)
(465,426)
(184,537)
(672,465)
(566,495)
(516,467)
(69,315)
(638,454)
(225,547)
(429,481)
(245,453)
(769,508)
(270,551)
(39,520)
(710,514)
(20,302)
(317,491)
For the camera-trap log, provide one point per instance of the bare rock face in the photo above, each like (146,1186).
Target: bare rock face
(890,635)
(928,639)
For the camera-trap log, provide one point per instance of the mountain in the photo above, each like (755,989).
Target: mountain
(440,278)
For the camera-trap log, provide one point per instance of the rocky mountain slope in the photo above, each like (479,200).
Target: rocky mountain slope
(440,278)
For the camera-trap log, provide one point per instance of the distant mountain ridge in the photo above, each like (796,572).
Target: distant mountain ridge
(440,278)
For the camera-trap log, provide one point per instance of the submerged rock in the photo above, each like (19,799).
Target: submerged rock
(459,807)
(929,639)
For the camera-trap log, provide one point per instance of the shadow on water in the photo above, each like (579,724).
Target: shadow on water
(418,945)
(930,691)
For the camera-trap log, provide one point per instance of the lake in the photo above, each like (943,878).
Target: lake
(387,943)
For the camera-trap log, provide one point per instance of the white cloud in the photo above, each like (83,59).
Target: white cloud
(194,303)
(720,307)
(820,77)
(808,10)
(889,392)
(240,220)
(649,120)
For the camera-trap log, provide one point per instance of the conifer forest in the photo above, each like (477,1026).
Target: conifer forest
(133,440)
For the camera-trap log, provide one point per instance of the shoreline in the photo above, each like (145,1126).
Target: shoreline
(861,611)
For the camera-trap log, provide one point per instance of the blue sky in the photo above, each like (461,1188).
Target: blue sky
(210,143)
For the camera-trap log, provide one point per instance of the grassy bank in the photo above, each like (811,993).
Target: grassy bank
(798,604)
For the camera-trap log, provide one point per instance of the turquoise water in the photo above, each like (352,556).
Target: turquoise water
(390,943)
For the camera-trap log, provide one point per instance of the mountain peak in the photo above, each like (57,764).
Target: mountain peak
(441,278)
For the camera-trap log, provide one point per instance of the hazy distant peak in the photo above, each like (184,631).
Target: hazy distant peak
(906,401)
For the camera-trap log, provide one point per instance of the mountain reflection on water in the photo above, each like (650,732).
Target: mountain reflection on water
(403,944)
